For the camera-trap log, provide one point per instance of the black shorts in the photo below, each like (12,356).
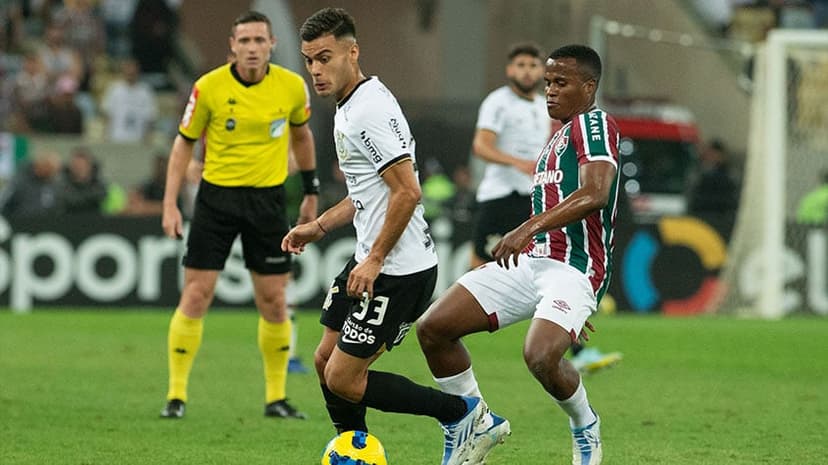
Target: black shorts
(366,326)
(497,217)
(222,213)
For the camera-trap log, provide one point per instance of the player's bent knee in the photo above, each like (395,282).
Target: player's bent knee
(320,361)
(342,386)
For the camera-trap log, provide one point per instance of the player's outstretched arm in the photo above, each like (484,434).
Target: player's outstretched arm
(596,181)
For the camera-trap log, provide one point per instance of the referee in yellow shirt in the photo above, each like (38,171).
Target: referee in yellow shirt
(251,112)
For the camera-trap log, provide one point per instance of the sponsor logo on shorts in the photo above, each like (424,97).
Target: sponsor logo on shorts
(275,259)
(353,333)
(561,305)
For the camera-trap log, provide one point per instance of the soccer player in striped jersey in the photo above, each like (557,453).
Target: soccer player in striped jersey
(554,268)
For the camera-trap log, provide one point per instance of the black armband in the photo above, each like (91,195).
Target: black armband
(310,183)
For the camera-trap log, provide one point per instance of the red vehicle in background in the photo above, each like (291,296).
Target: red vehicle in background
(658,154)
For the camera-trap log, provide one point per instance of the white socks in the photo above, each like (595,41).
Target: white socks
(578,409)
(461,384)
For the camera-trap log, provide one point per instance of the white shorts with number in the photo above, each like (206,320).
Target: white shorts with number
(536,288)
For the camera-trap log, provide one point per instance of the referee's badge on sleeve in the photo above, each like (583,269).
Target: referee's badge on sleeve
(277,128)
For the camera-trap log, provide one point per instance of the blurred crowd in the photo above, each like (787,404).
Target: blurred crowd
(104,66)
(66,65)
(77,67)
(750,20)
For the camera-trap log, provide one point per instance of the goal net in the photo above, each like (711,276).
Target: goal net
(775,265)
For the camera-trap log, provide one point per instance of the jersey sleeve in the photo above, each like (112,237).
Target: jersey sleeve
(491,114)
(301,111)
(384,137)
(196,114)
(595,135)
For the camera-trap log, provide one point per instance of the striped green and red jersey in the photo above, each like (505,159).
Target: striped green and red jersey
(585,245)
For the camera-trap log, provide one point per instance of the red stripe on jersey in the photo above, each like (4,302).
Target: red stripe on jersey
(576,136)
(596,249)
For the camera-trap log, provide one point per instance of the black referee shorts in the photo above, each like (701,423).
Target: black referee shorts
(222,213)
(496,217)
(367,326)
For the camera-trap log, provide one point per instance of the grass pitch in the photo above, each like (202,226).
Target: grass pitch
(85,387)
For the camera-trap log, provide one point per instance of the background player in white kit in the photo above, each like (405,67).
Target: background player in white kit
(388,283)
(512,128)
(555,267)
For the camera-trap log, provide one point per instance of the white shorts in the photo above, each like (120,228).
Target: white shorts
(536,288)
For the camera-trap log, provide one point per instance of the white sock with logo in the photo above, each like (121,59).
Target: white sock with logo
(578,409)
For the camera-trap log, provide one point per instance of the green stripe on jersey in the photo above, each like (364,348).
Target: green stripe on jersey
(574,231)
(595,129)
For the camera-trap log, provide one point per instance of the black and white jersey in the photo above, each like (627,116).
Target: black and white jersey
(372,135)
(522,127)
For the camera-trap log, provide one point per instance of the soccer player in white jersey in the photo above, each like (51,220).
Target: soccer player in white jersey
(388,283)
(512,127)
(554,268)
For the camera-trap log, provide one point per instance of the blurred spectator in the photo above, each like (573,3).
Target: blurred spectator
(713,195)
(463,203)
(82,190)
(36,191)
(31,88)
(83,28)
(129,105)
(437,190)
(116,16)
(813,207)
(11,27)
(63,116)
(58,58)
(147,198)
(152,34)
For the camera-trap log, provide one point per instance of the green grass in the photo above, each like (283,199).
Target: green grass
(85,387)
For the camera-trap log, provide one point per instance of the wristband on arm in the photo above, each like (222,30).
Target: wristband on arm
(310,183)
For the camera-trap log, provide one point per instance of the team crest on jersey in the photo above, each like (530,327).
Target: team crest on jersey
(560,146)
(341,150)
(277,128)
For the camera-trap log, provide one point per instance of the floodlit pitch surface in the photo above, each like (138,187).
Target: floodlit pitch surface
(85,387)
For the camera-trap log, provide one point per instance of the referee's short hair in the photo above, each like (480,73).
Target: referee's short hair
(334,21)
(251,17)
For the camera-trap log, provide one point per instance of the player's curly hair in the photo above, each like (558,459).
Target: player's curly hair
(334,21)
(587,58)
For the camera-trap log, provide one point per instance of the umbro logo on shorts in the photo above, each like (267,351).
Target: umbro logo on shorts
(561,305)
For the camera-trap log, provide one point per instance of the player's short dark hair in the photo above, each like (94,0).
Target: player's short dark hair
(587,59)
(524,48)
(251,17)
(334,21)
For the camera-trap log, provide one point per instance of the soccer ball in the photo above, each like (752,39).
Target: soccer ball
(354,448)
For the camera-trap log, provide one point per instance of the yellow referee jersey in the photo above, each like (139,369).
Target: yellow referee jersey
(247,126)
